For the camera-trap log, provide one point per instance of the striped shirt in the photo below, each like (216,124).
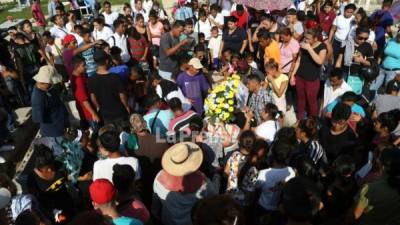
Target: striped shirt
(181,123)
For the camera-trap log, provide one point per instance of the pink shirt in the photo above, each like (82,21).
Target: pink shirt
(287,54)
(156,29)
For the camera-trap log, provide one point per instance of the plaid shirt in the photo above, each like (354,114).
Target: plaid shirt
(258,101)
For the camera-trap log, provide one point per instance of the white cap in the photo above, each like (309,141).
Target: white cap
(195,62)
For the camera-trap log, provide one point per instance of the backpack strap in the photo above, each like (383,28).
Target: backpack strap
(154,121)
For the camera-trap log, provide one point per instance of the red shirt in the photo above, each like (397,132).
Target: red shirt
(242,20)
(78,84)
(137,47)
(326,20)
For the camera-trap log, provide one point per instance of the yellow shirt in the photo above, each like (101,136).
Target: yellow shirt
(272,52)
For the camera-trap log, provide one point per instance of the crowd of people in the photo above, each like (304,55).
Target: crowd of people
(212,113)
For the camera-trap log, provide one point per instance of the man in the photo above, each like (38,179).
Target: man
(234,38)
(47,108)
(294,24)
(382,21)
(271,48)
(173,199)
(241,15)
(109,15)
(109,144)
(260,96)
(103,195)
(100,31)
(341,28)
(119,39)
(167,90)
(58,31)
(107,92)
(244,70)
(156,118)
(194,84)
(88,53)
(334,88)
(47,182)
(170,48)
(181,120)
(349,98)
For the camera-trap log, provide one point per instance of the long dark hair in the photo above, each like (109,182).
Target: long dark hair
(247,141)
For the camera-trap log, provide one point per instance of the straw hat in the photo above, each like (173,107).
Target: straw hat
(182,159)
(48,74)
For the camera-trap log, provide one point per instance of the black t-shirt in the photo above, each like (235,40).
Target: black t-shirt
(51,194)
(234,40)
(334,145)
(365,49)
(309,70)
(107,89)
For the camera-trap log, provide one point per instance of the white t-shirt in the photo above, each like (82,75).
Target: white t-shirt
(69,26)
(58,32)
(110,18)
(55,51)
(343,26)
(120,42)
(267,130)
(103,168)
(104,34)
(226,7)
(331,95)
(203,27)
(219,18)
(268,181)
(175,94)
(214,44)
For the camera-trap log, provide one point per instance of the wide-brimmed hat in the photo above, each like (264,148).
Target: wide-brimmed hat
(182,159)
(48,74)
(5,197)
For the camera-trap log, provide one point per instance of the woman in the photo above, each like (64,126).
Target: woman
(278,82)
(155,29)
(289,48)
(306,73)
(31,35)
(307,133)
(138,45)
(140,26)
(269,126)
(361,20)
(384,125)
(38,15)
(269,23)
(356,54)
(71,21)
(241,171)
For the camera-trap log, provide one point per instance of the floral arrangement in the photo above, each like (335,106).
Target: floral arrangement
(220,103)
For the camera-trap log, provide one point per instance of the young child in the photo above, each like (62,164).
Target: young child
(250,60)
(278,83)
(188,34)
(214,45)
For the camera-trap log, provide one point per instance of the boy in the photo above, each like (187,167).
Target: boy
(88,53)
(86,111)
(188,34)
(215,47)
(194,84)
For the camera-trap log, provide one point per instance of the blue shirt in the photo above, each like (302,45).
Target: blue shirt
(126,221)
(162,122)
(122,71)
(392,55)
(355,108)
(183,13)
(49,111)
(383,20)
(89,60)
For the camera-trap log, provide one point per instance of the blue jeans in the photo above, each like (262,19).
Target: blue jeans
(383,78)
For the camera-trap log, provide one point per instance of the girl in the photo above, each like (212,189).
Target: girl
(278,83)
(155,29)
(267,129)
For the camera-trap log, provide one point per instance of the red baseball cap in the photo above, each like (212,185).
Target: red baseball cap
(68,39)
(101,191)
